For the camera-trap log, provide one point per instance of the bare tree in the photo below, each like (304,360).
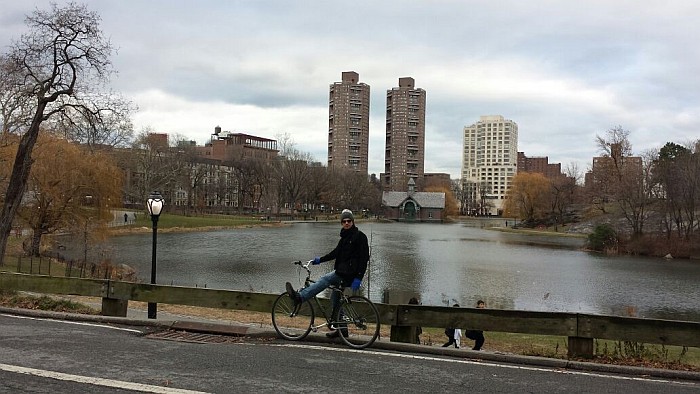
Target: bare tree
(468,197)
(625,178)
(151,164)
(615,144)
(193,175)
(318,188)
(484,192)
(15,111)
(353,187)
(251,176)
(59,67)
(615,149)
(562,191)
(573,171)
(106,124)
(372,200)
(676,171)
(292,172)
(634,192)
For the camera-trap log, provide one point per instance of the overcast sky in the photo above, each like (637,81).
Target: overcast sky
(564,71)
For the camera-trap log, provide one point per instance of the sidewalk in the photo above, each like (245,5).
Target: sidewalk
(165,320)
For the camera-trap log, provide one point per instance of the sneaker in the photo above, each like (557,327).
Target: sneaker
(293,294)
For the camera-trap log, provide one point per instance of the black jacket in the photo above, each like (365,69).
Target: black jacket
(351,255)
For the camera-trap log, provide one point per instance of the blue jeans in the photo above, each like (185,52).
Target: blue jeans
(321,284)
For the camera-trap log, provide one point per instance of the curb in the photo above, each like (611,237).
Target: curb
(241,330)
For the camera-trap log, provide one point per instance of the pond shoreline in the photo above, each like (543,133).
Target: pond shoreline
(129,230)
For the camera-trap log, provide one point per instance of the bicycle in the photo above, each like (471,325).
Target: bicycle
(356,315)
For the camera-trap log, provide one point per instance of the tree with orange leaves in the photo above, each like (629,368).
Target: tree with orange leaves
(70,188)
(528,197)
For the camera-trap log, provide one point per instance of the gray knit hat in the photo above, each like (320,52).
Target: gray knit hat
(347,214)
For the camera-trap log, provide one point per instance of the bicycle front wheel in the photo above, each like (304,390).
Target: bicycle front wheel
(359,322)
(289,323)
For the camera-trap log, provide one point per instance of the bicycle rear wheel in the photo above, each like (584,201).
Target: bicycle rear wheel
(290,324)
(361,320)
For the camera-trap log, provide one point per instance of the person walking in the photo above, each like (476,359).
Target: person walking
(476,335)
(419,330)
(351,256)
(452,334)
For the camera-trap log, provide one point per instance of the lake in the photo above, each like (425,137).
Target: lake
(440,263)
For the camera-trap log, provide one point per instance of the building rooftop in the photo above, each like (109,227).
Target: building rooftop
(423,199)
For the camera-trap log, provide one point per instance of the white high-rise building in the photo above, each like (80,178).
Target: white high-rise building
(489,162)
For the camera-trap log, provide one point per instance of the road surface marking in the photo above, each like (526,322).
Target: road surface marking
(486,363)
(74,322)
(146,388)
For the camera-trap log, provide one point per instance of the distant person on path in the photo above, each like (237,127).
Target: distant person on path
(351,256)
(452,334)
(126,218)
(419,330)
(476,335)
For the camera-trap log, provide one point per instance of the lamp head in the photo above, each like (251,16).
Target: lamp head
(155,203)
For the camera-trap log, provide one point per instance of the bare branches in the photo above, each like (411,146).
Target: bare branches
(63,49)
(59,67)
(104,121)
(15,111)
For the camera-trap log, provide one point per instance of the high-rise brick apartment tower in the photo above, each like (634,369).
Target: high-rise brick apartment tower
(348,123)
(489,162)
(404,155)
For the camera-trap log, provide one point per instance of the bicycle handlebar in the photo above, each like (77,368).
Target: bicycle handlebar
(304,265)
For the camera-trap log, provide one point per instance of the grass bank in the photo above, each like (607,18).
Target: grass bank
(607,352)
(169,222)
(12,299)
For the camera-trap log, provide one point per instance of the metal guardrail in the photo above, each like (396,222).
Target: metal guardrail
(581,329)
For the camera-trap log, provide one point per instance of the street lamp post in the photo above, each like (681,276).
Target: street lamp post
(155,206)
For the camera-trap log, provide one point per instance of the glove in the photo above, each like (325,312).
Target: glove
(356,284)
(317,261)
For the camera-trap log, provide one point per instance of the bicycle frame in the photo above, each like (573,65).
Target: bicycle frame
(319,307)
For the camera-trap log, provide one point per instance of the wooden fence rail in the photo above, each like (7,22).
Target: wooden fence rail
(581,329)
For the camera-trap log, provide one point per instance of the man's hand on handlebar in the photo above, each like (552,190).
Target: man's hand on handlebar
(303,264)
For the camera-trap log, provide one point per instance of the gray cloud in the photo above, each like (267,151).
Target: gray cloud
(563,71)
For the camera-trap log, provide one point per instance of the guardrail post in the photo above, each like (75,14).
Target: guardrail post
(580,347)
(581,344)
(112,306)
(405,334)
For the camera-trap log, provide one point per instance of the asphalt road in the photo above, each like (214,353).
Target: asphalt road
(57,356)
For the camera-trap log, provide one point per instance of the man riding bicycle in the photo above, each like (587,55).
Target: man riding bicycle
(351,256)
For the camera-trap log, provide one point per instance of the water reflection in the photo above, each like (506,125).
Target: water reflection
(442,264)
